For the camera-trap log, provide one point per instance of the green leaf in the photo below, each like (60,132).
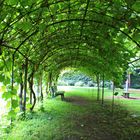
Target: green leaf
(27,99)
(14,92)
(136,6)
(130,2)
(12,114)
(3,88)
(54,8)
(24,25)
(14,103)
(6,95)
(136,36)
(8,105)
(2,77)
(6,81)
(28,106)
(42,27)
(12,2)
(1,66)
(18,79)
(26,2)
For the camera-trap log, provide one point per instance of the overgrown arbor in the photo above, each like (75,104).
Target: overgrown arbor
(39,38)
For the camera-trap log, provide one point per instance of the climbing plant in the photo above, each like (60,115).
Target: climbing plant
(39,38)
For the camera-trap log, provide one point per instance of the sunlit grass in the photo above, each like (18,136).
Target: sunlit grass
(132,105)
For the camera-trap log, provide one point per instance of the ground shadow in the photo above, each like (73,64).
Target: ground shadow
(99,124)
(77,100)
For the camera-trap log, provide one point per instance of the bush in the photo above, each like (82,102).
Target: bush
(71,82)
(136,86)
(62,83)
(80,83)
(91,84)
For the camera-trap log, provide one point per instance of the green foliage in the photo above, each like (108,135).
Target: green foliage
(12,2)
(12,114)
(136,6)
(25,26)
(15,103)
(95,37)
(7,95)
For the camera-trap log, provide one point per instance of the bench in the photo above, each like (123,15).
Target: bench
(55,93)
(126,94)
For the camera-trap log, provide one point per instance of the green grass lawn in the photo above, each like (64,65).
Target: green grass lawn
(132,104)
(80,117)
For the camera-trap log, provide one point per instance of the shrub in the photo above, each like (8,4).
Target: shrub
(80,83)
(91,84)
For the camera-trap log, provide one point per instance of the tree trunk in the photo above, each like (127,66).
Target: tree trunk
(98,89)
(103,90)
(21,92)
(47,87)
(38,89)
(12,83)
(41,91)
(30,80)
(113,99)
(50,83)
(50,79)
(25,84)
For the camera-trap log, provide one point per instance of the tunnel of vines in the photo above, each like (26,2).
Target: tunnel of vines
(40,38)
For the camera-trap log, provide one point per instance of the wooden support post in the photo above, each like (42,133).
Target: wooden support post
(41,90)
(98,89)
(25,83)
(113,99)
(21,91)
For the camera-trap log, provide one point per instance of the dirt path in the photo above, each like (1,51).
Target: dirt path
(90,124)
(96,122)
(77,100)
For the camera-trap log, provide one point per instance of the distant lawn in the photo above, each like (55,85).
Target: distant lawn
(79,117)
(132,105)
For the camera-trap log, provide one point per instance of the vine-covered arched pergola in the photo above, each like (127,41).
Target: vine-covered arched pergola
(39,38)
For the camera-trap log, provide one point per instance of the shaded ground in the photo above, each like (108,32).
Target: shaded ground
(89,125)
(77,100)
(96,124)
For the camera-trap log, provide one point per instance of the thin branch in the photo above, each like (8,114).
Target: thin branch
(84,16)
(25,40)
(9,47)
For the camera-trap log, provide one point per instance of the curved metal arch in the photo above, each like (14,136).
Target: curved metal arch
(73,38)
(96,21)
(100,23)
(77,20)
(91,21)
(56,52)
